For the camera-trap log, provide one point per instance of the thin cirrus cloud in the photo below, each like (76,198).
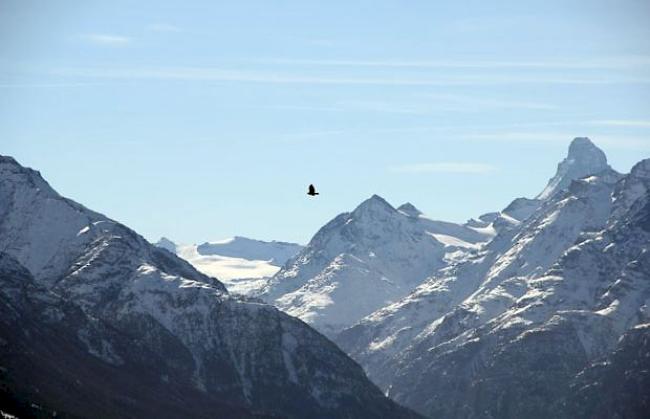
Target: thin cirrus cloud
(497,135)
(475,102)
(617,62)
(444,167)
(433,105)
(623,123)
(107,39)
(629,142)
(246,76)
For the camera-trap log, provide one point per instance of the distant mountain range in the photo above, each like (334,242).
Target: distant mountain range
(242,264)
(539,310)
(511,315)
(375,255)
(519,328)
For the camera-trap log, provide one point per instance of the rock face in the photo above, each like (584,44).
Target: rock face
(520,328)
(363,260)
(584,159)
(166,244)
(95,320)
(616,386)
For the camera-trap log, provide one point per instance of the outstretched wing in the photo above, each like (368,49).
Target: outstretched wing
(312,189)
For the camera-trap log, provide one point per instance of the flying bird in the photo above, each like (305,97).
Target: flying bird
(312,191)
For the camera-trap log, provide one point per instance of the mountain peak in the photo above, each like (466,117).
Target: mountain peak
(374,202)
(8,160)
(11,169)
(582,148)
(584,158)
(634,186)
(8,163)
(409,209)
(641,170)
(354,265)
(167,244)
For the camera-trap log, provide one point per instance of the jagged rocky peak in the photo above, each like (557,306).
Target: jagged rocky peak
(521,208)
(7,160)
(641,170)
(166,244)
(15,174)
(584,159)
(584,148)
(409,209)
(9,165)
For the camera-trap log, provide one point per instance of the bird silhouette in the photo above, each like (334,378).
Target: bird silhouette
(312,191)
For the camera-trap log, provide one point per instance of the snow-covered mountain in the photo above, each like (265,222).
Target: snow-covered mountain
(506,332)
(95,321)
(447,233)
(363,260)
(242,264)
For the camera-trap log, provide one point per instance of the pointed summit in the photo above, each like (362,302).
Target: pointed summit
(374,203)
(641,170)
(23,177)
(409,209)
(166,244)
(581,148)
(8,160)
(634,187)
(354,265)
(584,159)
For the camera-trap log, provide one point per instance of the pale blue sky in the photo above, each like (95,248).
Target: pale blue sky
(206,119)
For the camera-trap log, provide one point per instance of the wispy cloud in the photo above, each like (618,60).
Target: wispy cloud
(622,123)
(247,76)
(520,136)
(444,167)
(46,85)
(489,134)
(434,104)
(616,62)
(614,141)
(463,102)
(107,40)
(163,27)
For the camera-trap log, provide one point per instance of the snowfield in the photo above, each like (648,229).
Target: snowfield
(243,265)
